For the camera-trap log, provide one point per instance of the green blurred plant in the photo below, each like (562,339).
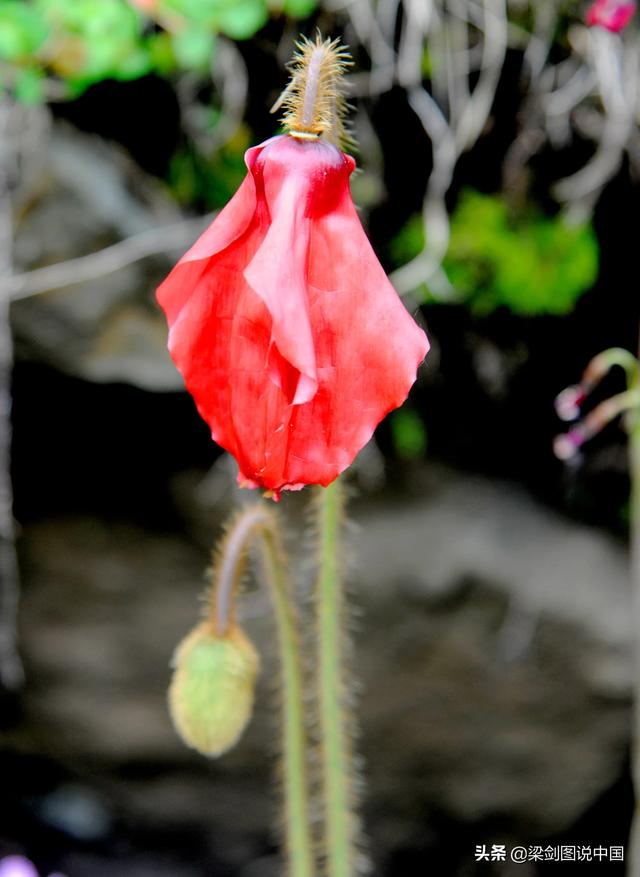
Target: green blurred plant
(408,433)
(531,264)
(209,180)
(82,42)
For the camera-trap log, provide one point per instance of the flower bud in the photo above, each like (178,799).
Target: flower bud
(211,692)
(613,15)
(568,403)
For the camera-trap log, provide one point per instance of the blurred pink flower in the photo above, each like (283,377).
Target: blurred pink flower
(145,5)
(614,15)
(18,866)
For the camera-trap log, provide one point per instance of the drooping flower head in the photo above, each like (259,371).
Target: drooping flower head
(613,15)
(290,338)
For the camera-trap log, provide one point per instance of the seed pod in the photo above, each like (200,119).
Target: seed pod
(211,692)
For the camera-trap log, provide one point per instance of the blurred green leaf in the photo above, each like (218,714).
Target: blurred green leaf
(95,39)
(209,182)
(238,19)
(243,18)
(408,242)
(161,52)
(408,434)
(299,8)
(201,12)
(91,40)
(193,47)
(531,265)
(29,86)
(22,30)
(426,63)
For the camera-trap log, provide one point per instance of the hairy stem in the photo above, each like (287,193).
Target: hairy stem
(634,469)
(230,562)
(11,672)
(337,770)
(296,789)
(256,523)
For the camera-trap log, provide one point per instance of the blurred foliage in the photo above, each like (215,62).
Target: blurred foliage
(209,180)
(80,42)
(408,434)
(531,264)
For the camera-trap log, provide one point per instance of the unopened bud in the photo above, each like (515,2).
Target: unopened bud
(565,446)
(211,692)
(568,403)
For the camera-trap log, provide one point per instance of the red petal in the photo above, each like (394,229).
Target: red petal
(221,337)
(367,346)
(289,336)
(277,273)
(614,15)
(175,293)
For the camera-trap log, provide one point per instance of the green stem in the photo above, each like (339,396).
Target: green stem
(625,359)
(634,471)
(257,523)
(298,840)
(335,743)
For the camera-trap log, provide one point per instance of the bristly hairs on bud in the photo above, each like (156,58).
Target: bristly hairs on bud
(211,694)
(314,101)
(215,666)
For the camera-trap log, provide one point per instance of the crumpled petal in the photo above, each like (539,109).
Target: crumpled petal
(175,294)
(277,273)
(289,336)
(368,348)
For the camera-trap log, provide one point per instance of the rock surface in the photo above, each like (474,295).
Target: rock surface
(493,650)
(88,196)
(498,674)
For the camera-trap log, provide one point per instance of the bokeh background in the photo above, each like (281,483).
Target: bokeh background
(498,153)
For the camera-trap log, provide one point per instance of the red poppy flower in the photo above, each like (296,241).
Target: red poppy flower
(288,334)
(614,15)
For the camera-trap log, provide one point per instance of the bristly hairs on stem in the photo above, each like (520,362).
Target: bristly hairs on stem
(257,526)
(314,101)
(338,774)
(229,561)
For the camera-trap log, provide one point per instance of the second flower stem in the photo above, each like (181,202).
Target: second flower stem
(258,526)
(335,743)
(294,771)
(634,471)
